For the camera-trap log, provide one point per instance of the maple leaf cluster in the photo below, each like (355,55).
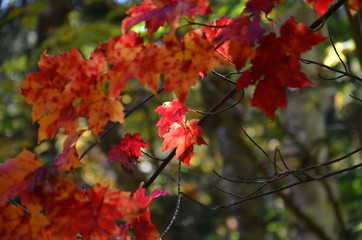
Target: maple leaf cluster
(55,207)
(67,87)
(275,60)
(177,132)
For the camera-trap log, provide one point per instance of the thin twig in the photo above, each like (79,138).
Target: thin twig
(205,25)
(331,78)
(221,111)
(356,98)
(223,77)
(153,157)
(307,61)
(178,201)
(317,178)
(288,172)
(247,195)
(260,148)
(19,205)
(335,50)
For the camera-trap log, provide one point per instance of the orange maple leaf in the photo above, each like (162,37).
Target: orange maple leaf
(183,137)
(17,225)
(183,61)
(14,174)
(130,58)
(93,215)
(67,87)
(121,53)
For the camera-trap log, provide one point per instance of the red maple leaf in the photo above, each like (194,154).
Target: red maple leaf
(157,12)
(127,151)
(143,227)
(172,112)
(321,6)
(183,136)
(213,33)
(258,6)
(276,58)
(14,174)
(242,34)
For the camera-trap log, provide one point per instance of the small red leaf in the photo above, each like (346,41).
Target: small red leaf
(321,6)
(127,151)
(172,112)
(183,137)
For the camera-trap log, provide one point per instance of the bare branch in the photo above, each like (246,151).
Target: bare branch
(318,24)
(224,110)
(356,98)
(153,157)
(335,50)
(204,25)
(19,205)
(307,61)
(288,172)
(178,201)
(224,77)
(316,178)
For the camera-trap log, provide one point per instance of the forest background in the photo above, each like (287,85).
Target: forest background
(322,122)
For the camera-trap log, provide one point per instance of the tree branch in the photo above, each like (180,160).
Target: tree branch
(318,24)
(306,180)
(178,201)
(307,61)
